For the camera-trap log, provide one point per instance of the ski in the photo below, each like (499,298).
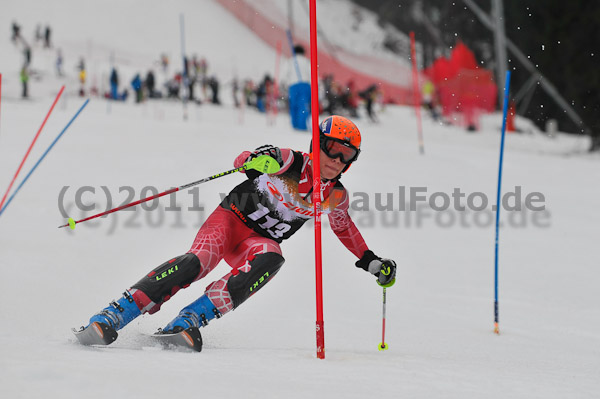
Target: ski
(96,334)
(189,339)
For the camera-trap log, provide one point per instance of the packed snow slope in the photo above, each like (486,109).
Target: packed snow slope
(439,313)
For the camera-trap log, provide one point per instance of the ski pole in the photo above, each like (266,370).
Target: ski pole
(383,346)
(263,163)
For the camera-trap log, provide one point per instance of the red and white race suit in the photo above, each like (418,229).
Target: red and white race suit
(260,213)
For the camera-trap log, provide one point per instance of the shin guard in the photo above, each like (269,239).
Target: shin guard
(243,285)
(164,281)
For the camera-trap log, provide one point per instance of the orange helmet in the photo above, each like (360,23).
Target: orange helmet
(340,138)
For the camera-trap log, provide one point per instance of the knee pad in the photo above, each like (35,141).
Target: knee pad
(243,285)
(164,281)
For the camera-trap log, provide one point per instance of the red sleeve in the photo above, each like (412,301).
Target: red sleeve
(345,229)
(287,156)
(241,159)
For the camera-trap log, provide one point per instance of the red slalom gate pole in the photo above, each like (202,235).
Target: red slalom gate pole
(314,86)
(31,146)
(417,91)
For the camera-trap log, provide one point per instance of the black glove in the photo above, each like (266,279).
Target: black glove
(383,269)
(273,152)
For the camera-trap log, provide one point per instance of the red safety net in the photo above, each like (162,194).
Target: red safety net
(342,66)
(463,89)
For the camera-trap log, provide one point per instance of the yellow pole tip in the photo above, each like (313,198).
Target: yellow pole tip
(72,223)
(382,346)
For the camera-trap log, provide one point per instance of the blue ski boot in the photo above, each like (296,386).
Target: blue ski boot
(119,313)
(196,314)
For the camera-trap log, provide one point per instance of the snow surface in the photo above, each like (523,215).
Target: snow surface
(361,48)
(349,27)
(439,314)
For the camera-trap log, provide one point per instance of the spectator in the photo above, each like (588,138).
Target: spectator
(430,100)
(164,61)
(24,81)
(203,75)
(59,63)
(82,76)
(173,85)
(16,32)
(249,93)
(369,95)
(351,99)
(150,84)
(330,103)
(114,84)
(213,83)
(235,87)
(27,56)
(136,84)
(262,93)
(47,33)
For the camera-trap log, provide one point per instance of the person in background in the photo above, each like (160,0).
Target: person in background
(16,33)
(25,81)
(235,87)
(370,95)
(27,56)
(262,93)
(213,83)
(47,35)
(350,99)
(82,76)
(114,84)
(59,63)
(299,92)
(429,99)
(150,83)
(136,84)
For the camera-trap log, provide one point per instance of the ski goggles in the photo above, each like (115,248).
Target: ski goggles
(336,148)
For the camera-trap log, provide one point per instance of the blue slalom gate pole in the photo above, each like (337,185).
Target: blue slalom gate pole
(291,43)
(43,156)
(498,204)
